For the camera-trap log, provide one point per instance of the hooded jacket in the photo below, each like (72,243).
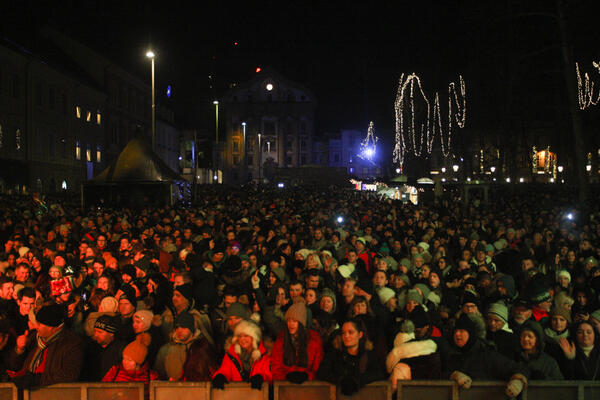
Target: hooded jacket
(541,366)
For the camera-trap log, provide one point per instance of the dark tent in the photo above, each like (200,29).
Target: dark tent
(137,178)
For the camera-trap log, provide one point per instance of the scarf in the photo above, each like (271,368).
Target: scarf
(42,344)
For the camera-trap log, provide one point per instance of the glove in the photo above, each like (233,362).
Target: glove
(463,380)
(297,377)
(219,382)
(349,386)
(514,387)
(256,382)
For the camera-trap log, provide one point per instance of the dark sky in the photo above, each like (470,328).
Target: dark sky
(350,54)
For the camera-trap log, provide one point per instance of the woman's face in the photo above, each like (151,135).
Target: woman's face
(327,304)
(558,323)
(581,298)
(310,296)
(411,305)
(563,281)
(360,308)
(129,364)
(292,325)
(245,342)
(528,341)
(434,280)
(585,335)
(350,335)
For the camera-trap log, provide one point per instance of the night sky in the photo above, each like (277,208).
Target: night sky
(350,54)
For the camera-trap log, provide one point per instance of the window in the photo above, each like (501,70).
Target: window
(88,153)
(78,112)
(88,116)
(249,159)
(236,160)
(236,146)
(98,153)
(78,150)
(98,118)
(18,139)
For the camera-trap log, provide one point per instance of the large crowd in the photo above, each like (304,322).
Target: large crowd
(329,284)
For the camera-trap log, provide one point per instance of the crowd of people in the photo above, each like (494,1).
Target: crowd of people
(329,284)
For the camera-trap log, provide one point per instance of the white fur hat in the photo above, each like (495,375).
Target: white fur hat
(251,329)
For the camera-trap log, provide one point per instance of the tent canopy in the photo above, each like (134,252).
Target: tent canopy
(137,163)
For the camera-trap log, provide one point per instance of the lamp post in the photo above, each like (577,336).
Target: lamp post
(244,154)
(259,158)
(150,55)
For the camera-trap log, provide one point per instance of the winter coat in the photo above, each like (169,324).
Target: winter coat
(413,359)
(338,365)
(541,366)
(172,356)
(314,350)
(506,343)
(584,367)
(98,360)
(479,361)
(62,361)
(118,374)
(260,366)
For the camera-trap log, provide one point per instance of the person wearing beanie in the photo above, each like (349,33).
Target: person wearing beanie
(328,301)
(142,323)
(134,367)
(498,331)
(466,358)
(297,351)
(55,355)
(105,348)
(127,306)
(246,359)
(413,299)
(531,353)
(470,303)
(188,355)
(385,295)
(108,305)
(557,331)
(183,301)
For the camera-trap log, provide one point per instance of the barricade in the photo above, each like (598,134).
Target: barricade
(8,391)
(162,390)
(546,390)
(87,391)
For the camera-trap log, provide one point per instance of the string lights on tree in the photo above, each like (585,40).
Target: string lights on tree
(412,132)
(368,147)
(585,88)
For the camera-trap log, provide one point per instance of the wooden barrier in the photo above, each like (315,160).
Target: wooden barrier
(8,391)
(313,390)
(88,391)
(160,390)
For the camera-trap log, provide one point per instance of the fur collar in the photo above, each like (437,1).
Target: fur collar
(411,349)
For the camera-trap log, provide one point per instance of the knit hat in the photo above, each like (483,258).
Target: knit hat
(128,294)
(470,297)
(279,273)
(251,329)
(185,320)
(413,294)
(589,260)
(563,312)
(423,289)
(109,304)
(385,294)
(329,293)
(186,291)
(404,278)
(500,244)
(138,349)
(539,294)
(237,310)
(419,317)
(145,317)
(490,247)
(362,240)
(500,310)
(346,270)
(297,311)
(564,272)
(107,323)
(405,262)
(424,246)
(51,315)
(466,323)
(23,250)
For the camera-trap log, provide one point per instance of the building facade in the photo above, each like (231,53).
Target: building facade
(269,123)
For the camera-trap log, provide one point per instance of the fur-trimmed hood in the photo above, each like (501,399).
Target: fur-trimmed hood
(251,329)
(405,347)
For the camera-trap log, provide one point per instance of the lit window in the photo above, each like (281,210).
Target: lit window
(99,118)
(99,154)
(78,151)
(88,153)
(64,185)
(78,112)
(88,116)
(18,139)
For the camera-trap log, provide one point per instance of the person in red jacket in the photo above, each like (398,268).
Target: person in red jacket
(134,367)
(297,352)
(246,360)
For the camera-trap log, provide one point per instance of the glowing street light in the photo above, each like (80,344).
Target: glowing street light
(150,54)
(455,168)
(443,169)
(560,168)
(493,169)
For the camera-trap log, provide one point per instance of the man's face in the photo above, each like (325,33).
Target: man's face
(7,290)
(318,234)
(312,281)
(348,288)
(295,291)
(102,337)
(25,305)
(461,337)
(22,273)
(125,307)
(229,300)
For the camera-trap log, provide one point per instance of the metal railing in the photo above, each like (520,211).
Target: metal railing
(313,390)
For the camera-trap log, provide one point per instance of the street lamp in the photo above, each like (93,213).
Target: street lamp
(493,169)
(259,158)
(455,168)
(244,156)
(150,55)
(216,103)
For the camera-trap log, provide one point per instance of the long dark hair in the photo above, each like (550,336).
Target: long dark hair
(295,351)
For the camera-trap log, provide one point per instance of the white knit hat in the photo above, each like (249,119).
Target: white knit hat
(251,329)
(385,294)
